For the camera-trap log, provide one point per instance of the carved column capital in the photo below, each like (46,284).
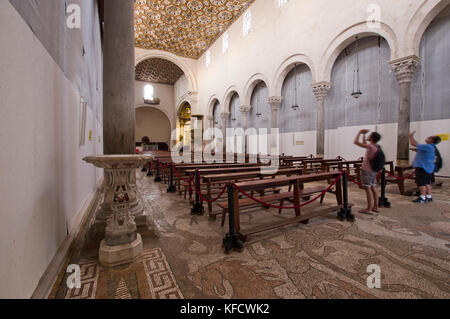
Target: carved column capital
(224,116)
(245,108)
(321,89)
(275,102)
(405,68)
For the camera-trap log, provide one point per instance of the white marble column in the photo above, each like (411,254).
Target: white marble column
(224,118)
(404,69)
(245,110)
(275,105)
(320,90)
(210,121)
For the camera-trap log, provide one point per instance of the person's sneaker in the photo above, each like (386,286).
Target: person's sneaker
(419,200)
(430,200)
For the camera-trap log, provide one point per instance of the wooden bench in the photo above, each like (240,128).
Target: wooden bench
(246,203)
(296,182)
(225,178)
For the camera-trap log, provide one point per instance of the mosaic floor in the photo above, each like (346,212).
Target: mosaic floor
(327,258)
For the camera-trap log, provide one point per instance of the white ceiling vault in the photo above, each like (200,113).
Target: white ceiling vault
(184,27)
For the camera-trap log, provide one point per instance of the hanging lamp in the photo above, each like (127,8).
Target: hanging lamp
(295,107)
(356,80)
(258,111)
(233,111)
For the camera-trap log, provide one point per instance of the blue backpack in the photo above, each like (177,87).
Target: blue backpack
(437,160)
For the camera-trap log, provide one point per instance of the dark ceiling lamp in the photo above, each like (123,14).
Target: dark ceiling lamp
(233,111)
(295,107)
(356,80)
(258,111)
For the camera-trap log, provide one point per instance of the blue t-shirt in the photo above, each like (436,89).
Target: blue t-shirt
(425,157)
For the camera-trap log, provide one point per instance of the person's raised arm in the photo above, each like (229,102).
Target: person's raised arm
(364,142)
(412,140)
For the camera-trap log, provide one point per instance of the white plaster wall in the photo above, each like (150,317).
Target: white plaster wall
(315,33)
(165,93)
(181,88)
(153,123)
(44,183)
(292,30)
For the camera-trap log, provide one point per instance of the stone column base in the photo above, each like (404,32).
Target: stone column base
(111,256)
(402,162)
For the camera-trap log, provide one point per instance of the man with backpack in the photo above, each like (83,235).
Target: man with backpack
(427,162)
(373,162)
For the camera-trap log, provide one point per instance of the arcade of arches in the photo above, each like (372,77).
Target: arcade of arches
(79,187)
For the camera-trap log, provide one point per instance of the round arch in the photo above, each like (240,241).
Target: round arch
(286,66)
(190,75)
(346,37)
(211,103)
(419,24)
(159,108)
(231,91)
(251,84)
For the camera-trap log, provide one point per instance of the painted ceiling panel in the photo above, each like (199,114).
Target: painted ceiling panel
(157,70)
(184,27)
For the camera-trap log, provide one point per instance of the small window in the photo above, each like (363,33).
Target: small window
(148,92)
(247,23)
(225,43)
(282,2)
(208,58)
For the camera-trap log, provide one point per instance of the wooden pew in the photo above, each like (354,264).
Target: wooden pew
(186,170)
(298,193)
(225,178)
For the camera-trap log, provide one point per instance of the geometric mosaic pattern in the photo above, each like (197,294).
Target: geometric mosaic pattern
(89,277)
(184,27)
(160,277)
(157,70)
(150,277)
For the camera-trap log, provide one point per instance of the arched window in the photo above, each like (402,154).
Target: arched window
(225,43)
(148,92)
(247,23)
(281,2)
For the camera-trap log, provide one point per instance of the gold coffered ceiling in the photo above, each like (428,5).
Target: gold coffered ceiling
(184,27)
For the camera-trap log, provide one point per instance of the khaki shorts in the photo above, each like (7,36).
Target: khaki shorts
(368,179)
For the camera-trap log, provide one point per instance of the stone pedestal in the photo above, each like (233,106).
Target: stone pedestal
(112,256)
(320,90)
(120,170)
(122,243)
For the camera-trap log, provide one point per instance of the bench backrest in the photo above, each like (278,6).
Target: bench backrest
(285,181)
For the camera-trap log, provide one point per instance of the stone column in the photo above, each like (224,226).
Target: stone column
(118,101)
(118,78)
(320,90)
(245,110)
(210,121)
(224,118)
(275,104)
(404,69)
